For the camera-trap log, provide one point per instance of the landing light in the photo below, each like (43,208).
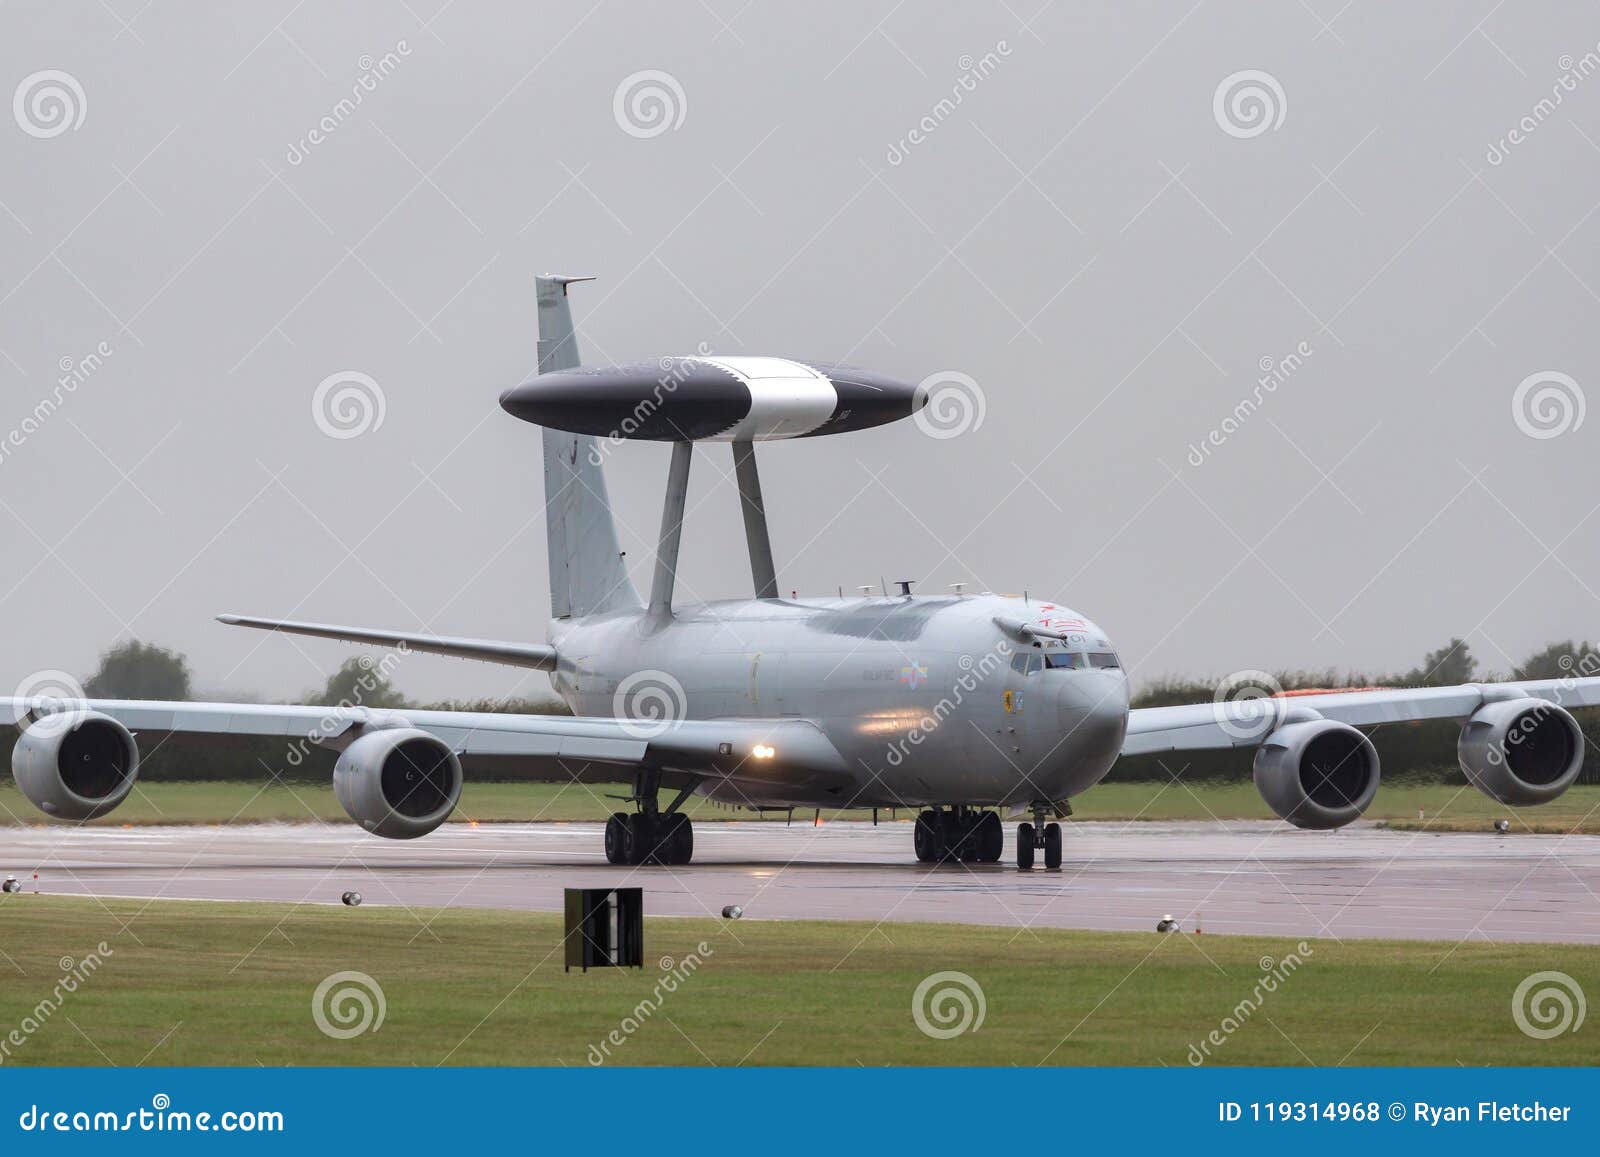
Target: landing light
(763,751)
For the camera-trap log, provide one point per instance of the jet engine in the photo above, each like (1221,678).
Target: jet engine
(1521,751)
(1317,773)
(75,764)
(398,782)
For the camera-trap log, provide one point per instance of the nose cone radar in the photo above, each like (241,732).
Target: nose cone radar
(712,399)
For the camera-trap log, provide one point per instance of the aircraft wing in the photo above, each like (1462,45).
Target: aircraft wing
(1245,722)
(547,748)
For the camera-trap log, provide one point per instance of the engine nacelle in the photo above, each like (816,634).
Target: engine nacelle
(398,782)
(1317,773)
(1521,751)
(75,764)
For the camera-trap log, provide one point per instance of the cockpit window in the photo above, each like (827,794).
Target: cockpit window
(1067,659)
(1025,663)
(1104,660)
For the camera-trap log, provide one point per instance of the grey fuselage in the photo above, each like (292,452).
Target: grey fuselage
(924,698)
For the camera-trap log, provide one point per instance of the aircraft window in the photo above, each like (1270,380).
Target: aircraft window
(1066,659)
(1025,664)
(1104,659)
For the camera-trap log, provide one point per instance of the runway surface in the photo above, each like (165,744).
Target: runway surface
(1244,877)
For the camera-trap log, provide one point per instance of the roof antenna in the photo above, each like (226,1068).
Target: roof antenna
(905,586)
(883,586)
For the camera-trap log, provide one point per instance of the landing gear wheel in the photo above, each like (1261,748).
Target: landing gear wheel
(1052,846)
(660,846)
(677,845)
(637,843)
(617,839)
(990,838)
(927,837)
(1025,846)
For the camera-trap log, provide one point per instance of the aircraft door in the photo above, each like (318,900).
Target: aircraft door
(766,691)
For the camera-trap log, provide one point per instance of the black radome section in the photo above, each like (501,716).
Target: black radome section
(668,400)
(676,399)
(866,399)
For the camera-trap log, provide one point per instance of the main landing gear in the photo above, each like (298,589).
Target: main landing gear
(974,837)
(650,835)
(1039,835)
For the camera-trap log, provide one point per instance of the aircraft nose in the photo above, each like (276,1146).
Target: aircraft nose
(1095,708)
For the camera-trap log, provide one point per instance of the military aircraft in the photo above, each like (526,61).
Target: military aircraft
(959,707)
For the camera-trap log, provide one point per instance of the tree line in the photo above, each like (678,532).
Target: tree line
(140,670)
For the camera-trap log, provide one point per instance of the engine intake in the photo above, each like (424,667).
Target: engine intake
(399,783)
(76,764)
(1317,773)
(1521,751)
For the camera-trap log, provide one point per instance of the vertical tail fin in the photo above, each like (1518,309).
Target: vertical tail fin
(587,576)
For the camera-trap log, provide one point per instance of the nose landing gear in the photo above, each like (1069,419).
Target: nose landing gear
(1041,835)
(965,834)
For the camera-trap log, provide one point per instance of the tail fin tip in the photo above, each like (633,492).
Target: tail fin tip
(560,281)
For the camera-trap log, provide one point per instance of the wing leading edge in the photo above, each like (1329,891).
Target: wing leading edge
(538,747)
(1245,723)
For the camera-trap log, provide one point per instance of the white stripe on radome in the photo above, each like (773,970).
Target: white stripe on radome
(787,399)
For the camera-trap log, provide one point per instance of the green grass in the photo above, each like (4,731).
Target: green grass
(190,983)
(1444,807)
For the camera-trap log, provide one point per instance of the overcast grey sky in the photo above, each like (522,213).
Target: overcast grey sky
(1107,251)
